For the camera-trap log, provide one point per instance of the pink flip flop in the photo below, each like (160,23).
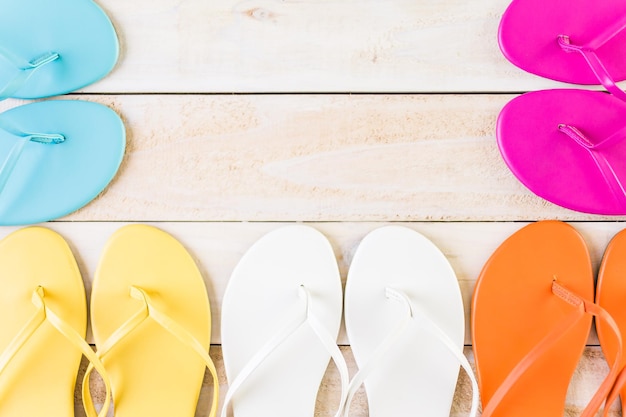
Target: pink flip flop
(574,41)
(568,147)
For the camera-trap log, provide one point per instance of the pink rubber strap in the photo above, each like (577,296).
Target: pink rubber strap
(588,51)
(595,151)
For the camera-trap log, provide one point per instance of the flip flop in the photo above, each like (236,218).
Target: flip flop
(531,317)
(610,293)
(568,147)
(43,327)
(574,41)
(53,47)
(55,157)
(151,323)
(405,321)
(281,314)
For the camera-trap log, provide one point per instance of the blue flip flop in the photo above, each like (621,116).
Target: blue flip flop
(53,47)
(55,157)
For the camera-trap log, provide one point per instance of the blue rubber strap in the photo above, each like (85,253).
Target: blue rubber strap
(24,70)
(12,158)
(12,59)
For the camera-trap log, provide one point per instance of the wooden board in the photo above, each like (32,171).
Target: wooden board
(314,158)
(200,46)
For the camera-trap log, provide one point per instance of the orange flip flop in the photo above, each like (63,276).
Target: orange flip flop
(531,317)
(610,295)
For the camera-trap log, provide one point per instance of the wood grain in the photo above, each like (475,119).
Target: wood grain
(314,158)
(199,46)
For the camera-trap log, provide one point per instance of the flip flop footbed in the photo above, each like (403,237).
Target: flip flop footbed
(513,309)
(51,180)
(152,372)
(529,30)
(585,174)
(40,379)
(262,297)
(610,295)
(78,30)
(417,374)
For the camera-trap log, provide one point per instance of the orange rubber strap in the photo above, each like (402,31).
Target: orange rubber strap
(582,307)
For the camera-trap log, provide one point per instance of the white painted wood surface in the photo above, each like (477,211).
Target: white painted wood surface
(218,171)
(312,46)
(314,158)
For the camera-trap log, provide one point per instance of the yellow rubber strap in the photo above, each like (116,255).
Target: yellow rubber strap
(44,313)
(167,323)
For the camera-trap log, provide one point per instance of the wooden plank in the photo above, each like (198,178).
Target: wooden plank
(217,247)
(311,46)
(314,158)
(588,376)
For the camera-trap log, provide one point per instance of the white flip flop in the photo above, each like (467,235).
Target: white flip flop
(405,321)
(281,314)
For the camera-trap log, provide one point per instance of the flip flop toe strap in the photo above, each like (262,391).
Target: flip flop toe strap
(150,311)
(581,308)
(44,314)
(595,150)
(615,391)
(588,52)
(304,317)
(10,161)
(419,321)
(23,69)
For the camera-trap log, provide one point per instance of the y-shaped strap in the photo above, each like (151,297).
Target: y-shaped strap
(304,316)
(420,321)
(23,69)
(588,51)
(608,173)
(149,310)
(6,168)
(615,391)
(42,314)
(581,307)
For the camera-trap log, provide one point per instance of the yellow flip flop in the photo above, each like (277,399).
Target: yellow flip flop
(44,321)
(151,323)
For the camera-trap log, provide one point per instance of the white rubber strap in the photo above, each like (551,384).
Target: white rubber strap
(422,321)
(304,316)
